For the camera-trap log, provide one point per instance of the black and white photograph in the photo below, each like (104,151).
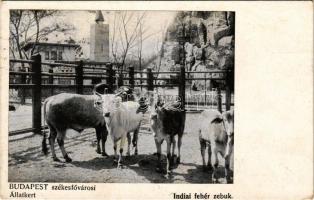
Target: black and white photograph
(142,100)
(102,96)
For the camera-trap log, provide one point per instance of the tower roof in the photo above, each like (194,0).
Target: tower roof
(99,17)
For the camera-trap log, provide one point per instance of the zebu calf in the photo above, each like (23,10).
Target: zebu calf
(217,133)
(72,111)
(167,121)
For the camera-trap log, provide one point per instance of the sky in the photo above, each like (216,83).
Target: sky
(155,22)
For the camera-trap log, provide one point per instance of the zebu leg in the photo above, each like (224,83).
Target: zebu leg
(209,163)
(179,148)
(215,162)
(121,149)
(135,140)
(60,140)
(115,148)
(52,139)
(129,143)
(104,135)
(158,146)
(227,169)
(168,140)
(203,148)
(101,133)
(98,136)
(173,142)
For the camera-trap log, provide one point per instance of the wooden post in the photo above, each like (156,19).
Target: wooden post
(182,86)
(79,77)
(131,77)
(22,90)
(110,78)
(150,79)
(36,97)
(228,90)
(120,80)
(50,81)
(205,89)
(219,99)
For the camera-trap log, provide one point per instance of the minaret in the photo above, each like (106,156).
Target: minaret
(99,39)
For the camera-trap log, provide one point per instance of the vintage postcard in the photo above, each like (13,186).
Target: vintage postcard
(156,100)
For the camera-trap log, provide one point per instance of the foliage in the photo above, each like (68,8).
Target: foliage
(27,25)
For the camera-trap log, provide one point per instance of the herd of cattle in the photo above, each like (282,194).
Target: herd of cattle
(121,113)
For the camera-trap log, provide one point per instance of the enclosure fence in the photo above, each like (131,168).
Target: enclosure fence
(38,80)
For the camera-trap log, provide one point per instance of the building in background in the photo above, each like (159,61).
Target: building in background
(54,52)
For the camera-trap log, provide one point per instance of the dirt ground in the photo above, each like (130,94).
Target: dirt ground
(28,164)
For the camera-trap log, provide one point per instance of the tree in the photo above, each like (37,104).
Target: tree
(26,26)
(125,33)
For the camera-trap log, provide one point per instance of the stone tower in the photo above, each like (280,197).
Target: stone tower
(99,39)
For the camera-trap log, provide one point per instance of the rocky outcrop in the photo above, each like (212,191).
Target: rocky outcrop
(208,40)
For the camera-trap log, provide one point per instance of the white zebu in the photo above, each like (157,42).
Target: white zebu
(216,132)
(121,118)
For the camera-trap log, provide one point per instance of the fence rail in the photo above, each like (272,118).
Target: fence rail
(114,78)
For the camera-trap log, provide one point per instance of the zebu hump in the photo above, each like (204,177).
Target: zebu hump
(213,116)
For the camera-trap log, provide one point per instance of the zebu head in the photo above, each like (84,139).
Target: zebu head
(126,93)
(105,102)
(155,103)
(228,119)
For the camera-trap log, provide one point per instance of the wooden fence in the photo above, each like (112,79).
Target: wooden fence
(106,72)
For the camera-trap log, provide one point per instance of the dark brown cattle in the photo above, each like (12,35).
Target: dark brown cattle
(167,121)
(72,111)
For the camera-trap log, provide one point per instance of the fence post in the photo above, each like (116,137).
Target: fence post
(131,77)
(50,81)
(79,77)
(228,90)
(36,97)
(120,79)
(150,79)
(22,90)
(182,86)
(219,99)
(110,77)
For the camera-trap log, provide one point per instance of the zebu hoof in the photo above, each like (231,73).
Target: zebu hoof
(136,152)
(159,169)
(229,180)
(68,159)
(205,169)
(98,151)
(56,159)
(209,168)
(178,160)
(120,166)
(104,154)
(169,174)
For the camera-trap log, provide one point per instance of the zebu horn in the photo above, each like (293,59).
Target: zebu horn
(97,86)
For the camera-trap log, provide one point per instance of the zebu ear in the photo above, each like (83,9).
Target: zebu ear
(228,115)
(216,121)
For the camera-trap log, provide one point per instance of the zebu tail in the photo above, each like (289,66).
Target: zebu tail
(44,144)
